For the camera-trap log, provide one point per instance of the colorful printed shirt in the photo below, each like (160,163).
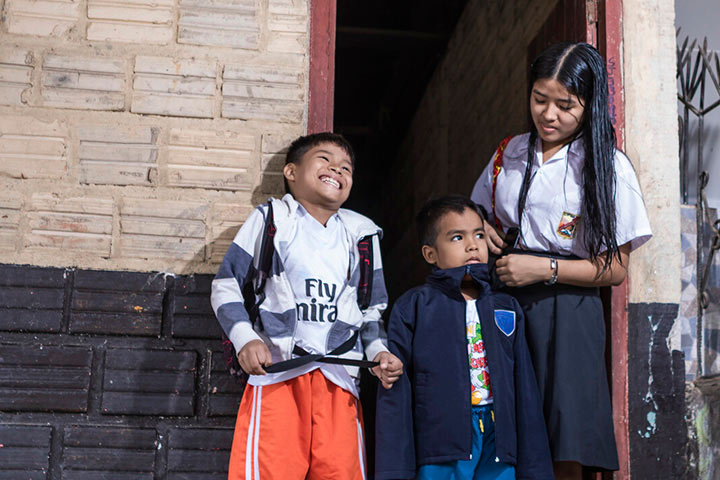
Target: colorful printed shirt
(481,391)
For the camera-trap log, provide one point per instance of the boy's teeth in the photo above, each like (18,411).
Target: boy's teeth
(331,181)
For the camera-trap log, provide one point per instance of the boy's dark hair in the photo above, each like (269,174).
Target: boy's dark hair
(301,145)
(430,214)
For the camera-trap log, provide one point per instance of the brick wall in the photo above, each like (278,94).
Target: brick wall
(477,96)
(111,375)
(138,135)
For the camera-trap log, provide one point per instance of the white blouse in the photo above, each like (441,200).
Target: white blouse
(551,219)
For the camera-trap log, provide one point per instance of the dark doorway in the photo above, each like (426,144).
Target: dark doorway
(386,52)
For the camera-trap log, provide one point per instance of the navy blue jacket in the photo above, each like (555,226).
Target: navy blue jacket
(426,416)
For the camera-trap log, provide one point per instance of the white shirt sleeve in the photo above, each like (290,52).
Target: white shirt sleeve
(482,191)
(632,221)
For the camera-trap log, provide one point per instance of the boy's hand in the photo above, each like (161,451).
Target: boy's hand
(389,370)
(253,356)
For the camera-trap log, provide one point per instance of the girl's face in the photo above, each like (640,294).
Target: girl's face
(556,113)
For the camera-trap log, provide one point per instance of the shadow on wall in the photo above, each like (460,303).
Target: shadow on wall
(270,184)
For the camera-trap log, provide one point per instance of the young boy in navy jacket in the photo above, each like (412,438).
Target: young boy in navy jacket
(467,405)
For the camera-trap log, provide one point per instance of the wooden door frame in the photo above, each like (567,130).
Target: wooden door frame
(321,90)
(610,43)
(610,35)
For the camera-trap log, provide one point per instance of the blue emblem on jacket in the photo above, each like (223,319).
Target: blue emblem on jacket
(505,321)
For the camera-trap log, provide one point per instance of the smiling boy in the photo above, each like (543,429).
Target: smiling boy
(299,416)
(467,405)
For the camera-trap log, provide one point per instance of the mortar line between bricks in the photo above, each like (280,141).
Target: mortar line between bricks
(161,450)
(67,301)
(168,307)
(97,370)
(56,448)
(203,383)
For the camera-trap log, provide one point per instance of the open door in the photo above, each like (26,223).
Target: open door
(598,22)
(571,21)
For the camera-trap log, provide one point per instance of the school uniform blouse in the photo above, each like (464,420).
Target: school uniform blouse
(551,219)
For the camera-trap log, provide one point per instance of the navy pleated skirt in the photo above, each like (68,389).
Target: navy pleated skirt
(565,332)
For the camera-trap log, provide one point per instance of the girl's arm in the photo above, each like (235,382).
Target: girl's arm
(517,270)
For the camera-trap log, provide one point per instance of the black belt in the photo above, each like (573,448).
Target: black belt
(303,358)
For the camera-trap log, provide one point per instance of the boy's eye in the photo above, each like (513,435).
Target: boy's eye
(455,238)
(347,169)
(480,235)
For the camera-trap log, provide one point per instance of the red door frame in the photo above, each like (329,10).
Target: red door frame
(611,37)
(322,65)
(320,118)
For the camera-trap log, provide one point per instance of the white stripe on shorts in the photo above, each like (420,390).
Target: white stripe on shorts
(361,441)
(248,444)
(257,433)
(251,455)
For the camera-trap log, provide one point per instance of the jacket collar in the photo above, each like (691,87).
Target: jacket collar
(449,280)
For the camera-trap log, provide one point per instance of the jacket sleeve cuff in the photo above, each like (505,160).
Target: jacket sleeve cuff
(374,348)
(241,334)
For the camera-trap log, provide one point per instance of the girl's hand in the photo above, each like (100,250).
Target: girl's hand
(389,370)
(494,241)
(519,270)
(253,356)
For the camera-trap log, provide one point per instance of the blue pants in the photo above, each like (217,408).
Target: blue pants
(483,465)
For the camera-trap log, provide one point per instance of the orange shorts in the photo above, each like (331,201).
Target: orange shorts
(304,428)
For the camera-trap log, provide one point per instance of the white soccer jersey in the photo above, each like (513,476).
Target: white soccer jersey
(316,262)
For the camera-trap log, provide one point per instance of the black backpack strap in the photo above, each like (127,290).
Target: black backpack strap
(364,290)
(267,250)
(303,357)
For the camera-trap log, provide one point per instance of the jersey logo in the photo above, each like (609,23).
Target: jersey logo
(568,225)
(505,321)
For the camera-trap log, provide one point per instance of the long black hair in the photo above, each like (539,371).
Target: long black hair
(581,70)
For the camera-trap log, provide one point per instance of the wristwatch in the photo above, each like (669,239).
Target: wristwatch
(554,268)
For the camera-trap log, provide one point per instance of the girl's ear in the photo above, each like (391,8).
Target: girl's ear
(429,254)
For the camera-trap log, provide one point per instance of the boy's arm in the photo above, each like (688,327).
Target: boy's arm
(394,431)
(235,271)
(372,333)
(533,449)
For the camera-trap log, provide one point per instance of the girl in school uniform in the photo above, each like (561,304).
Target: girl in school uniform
(576,207)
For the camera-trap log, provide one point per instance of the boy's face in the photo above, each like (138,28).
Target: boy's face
(322,177)
(460,241)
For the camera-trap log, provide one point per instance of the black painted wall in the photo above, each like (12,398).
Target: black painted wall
(658,432)
(111,375)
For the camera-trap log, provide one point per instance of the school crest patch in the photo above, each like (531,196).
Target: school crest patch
(505,321)
(568,225)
